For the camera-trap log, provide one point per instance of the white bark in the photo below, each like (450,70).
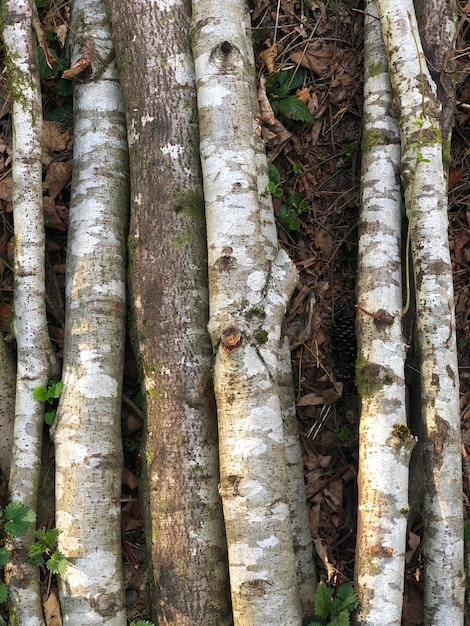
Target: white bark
(303,545)
(385,443)
(87,429)
(418,112)
(250,284)
(35,354)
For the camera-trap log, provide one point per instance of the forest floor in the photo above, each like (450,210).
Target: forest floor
(312,51)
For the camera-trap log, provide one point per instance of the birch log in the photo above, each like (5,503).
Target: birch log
(34,355)
(250,283)
(168,276)
(418,110)
(385,443)
(87,430)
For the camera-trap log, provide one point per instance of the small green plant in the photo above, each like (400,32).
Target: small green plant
(42,551)
(466,537)
(291,209)
(279,88)
(333,607)
(142,623)
(294,205)
(49,395)
(344,433)
(15,519)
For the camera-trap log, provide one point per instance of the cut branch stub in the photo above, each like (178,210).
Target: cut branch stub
(231,339)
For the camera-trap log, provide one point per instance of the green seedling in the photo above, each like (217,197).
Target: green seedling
(42,551)
(466,537)
(333,607)
(274,186)
(294,205)
(279,89)
(142,623)
(49,396)
(344,433)
(15,519)
(291,209)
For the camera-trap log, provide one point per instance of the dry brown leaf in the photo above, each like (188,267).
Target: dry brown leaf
(54,214)
(279,136)
(318,57)
(57,177)
(51,607)
(310,399)
(332,395)
(5,316)
(6,186)
(325,242)
(268,56)
(334,495)
(129,478)
(413,541)
(267,113)
(323,554)
(55,139)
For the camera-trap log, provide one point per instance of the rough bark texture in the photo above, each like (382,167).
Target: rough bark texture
(168,272)
(34,352)
(250,283)
(385,443)
(87,433)
(436,23)
(7,406)
(418,113)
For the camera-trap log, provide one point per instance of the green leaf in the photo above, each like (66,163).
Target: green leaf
(273,174)
(49,417)
(142,623)
(289,81)
(3,593)
(293,108)
(54,389)
(323,601)
(36,554)
(297,169)
(341,620)
(44,70)
(64,115)
(466,530)
(40,393)
(4,557)
(57,564)
(288,217)
(47,540)
(64,87)
(348,598)
(19,518)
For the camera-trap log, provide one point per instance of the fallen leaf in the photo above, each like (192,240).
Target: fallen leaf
(51,607)
(6,186)
(56,138)
(268,56)
(57,177)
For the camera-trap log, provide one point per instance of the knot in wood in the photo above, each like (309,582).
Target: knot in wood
(231,339)
(226,47)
